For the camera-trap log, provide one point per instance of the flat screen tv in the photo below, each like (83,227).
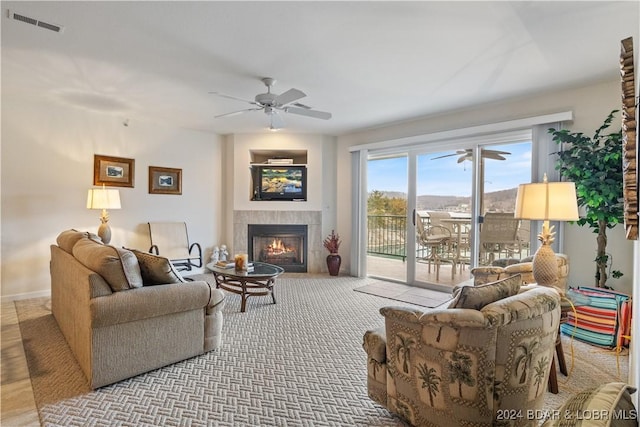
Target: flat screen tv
(281,182)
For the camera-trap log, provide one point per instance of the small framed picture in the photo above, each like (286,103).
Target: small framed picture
(113,171)
(165,180)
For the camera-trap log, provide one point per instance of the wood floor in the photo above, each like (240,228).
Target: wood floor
(18,404)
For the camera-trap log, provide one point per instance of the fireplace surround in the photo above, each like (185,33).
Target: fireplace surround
(316,253)
(284,245)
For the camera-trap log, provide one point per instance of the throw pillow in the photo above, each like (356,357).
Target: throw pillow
(606,405)
(67,239)
(119,267)
(156,270)
(477,297)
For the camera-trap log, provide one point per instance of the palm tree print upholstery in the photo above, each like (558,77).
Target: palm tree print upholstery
(464,366)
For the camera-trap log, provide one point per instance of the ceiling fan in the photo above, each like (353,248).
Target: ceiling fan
(468,155)
(272,104)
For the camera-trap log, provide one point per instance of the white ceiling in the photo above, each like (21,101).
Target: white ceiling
(368,63)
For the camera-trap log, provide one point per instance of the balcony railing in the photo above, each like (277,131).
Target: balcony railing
(386,235)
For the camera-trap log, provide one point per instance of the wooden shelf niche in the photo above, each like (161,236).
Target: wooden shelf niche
(260,157)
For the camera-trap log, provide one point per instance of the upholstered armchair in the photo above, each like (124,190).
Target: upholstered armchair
(484,361)
(502,268)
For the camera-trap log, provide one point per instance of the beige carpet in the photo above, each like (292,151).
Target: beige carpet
(296,363)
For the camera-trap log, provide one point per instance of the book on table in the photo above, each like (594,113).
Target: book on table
(231,264)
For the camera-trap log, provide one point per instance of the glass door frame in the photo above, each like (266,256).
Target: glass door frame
(475,143)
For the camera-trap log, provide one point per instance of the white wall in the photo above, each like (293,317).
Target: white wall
(590,106)
(47,168)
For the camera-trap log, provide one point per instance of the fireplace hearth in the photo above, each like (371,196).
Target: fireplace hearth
(280,244)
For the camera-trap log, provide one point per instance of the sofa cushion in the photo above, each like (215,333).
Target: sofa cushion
(477,297)
(67,239)
(610,402)
(156,270)
(119,267)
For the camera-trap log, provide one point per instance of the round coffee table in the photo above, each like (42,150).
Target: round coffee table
(257,282)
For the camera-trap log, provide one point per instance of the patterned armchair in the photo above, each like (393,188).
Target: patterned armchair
(482,362)
(502,268)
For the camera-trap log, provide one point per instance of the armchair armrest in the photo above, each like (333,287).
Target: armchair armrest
(199,253)
(375,344)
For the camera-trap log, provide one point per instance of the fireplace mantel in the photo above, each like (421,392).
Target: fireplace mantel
(313,220)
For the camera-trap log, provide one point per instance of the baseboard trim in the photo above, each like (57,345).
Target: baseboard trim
(28,295)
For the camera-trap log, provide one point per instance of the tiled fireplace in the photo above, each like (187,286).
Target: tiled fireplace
(280,244)
(314,254)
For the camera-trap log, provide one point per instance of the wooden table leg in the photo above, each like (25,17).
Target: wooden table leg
(553,377)
(244,296)
(560,353)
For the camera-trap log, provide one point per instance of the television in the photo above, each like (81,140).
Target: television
(280,182)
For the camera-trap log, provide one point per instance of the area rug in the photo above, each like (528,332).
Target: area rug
(295,363)
(404,293)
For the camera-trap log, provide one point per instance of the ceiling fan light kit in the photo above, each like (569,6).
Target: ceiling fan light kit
(272,104)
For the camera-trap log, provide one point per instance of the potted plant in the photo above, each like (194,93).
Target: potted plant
(332,243)
(595,165)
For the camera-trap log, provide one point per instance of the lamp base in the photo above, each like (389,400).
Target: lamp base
(545,267)
(104,232)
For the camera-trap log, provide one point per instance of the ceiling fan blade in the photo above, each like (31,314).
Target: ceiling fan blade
(463,158)
(495,151)
(446,155)
(234,113)
(310,113)
(233,97)
(301,105)
(289,96)
(494,157)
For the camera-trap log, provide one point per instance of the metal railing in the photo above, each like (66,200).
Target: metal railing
(386,235)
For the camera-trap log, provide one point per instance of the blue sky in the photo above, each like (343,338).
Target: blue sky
(446,177)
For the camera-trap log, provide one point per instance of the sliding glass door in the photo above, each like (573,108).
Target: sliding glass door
(503,168)
(432,215)
(443,216)
(387,182)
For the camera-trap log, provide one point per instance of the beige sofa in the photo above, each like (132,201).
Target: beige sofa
(125,312)
(476,363)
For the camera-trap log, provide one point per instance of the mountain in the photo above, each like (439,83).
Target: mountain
(501,201)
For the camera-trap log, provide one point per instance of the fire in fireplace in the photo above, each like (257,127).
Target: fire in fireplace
(279,244)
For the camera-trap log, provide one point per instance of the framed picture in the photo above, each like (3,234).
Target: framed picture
(165,180)
(113,171)
(630,180)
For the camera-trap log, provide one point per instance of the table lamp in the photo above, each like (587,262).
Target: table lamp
(101,198)
(547,201)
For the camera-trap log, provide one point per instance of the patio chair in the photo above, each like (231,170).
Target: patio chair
(171,240)
(436,239)
(499,234)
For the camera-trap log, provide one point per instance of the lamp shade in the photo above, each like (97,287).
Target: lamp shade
(101,198)
(548,201)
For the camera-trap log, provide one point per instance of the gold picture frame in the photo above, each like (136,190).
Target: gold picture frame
(113,171)
(165,180)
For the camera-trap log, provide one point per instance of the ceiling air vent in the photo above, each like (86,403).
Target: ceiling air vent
(46,25)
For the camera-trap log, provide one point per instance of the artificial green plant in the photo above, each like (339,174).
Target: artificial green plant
(595,165)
